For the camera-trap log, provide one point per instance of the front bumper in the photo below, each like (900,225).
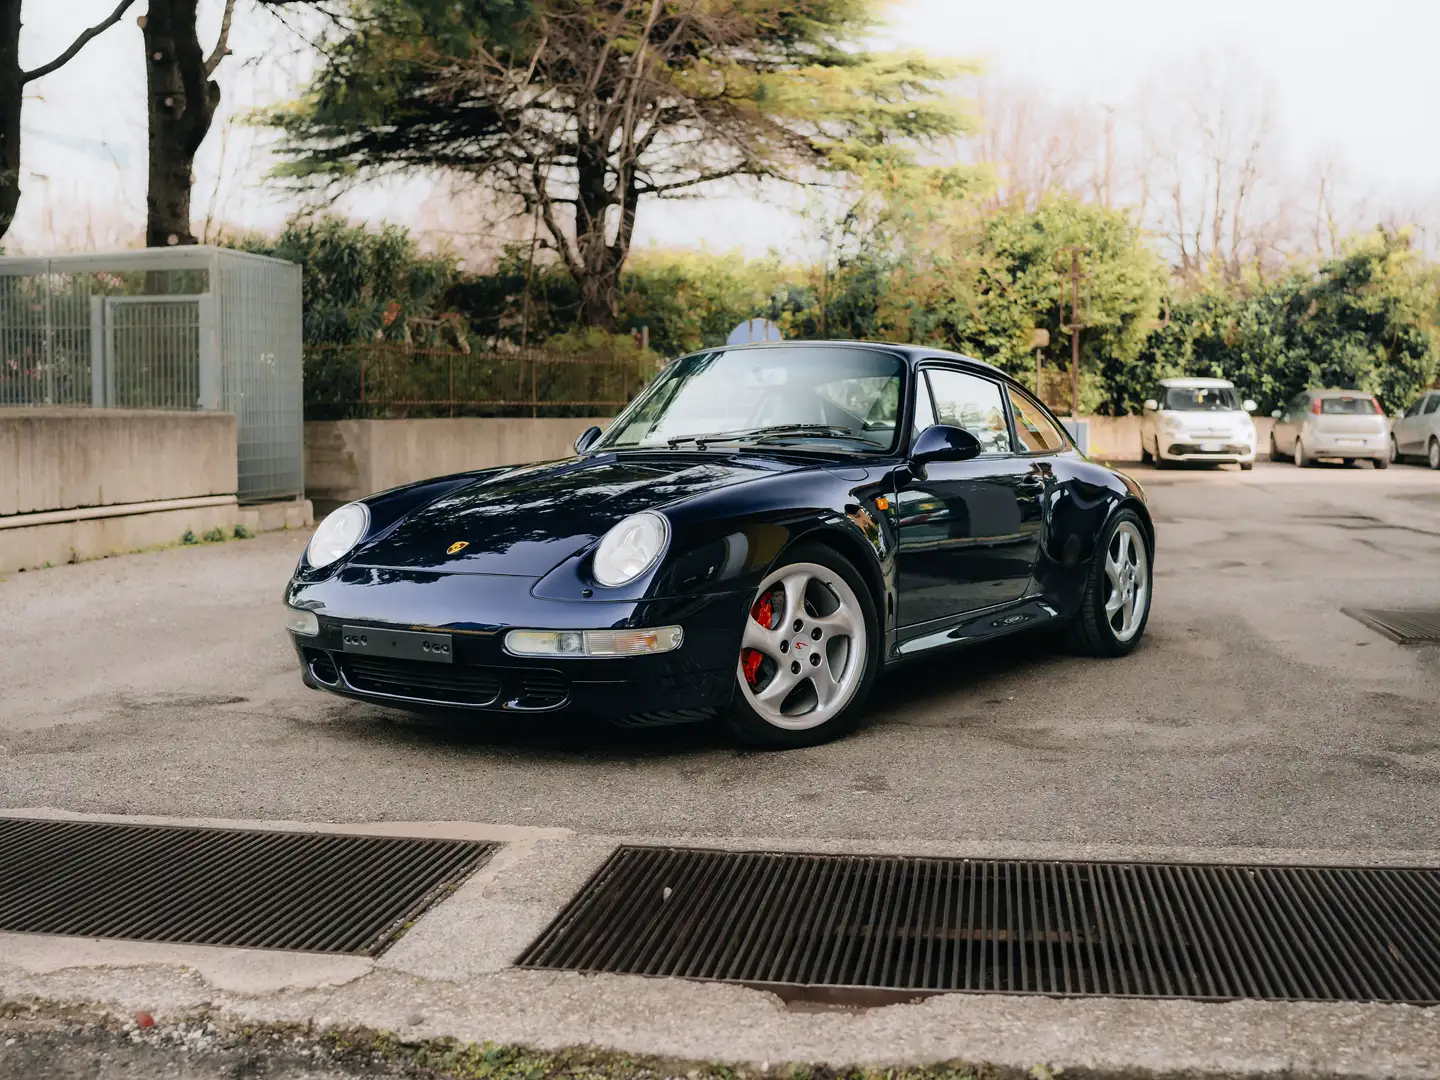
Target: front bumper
(1220,451)
(690,683)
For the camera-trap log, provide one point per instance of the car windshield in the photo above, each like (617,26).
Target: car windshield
(847,396)
(1200,399)
(1350,406)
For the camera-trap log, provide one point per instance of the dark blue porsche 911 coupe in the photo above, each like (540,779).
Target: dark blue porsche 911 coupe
(759,535)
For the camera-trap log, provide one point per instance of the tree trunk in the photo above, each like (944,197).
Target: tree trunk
(11,85)
(182,103)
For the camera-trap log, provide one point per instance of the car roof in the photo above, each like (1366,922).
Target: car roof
(913,354)
(1197,383)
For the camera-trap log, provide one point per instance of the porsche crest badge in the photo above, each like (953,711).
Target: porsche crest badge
(457,547)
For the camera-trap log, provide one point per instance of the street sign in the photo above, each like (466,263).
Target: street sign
(752,330)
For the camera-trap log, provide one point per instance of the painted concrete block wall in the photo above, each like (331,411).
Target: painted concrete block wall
(346,459)
(61,459)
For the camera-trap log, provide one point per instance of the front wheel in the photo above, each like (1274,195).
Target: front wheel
(1116,604)
(1433,455)
(809,653)
(1394,450)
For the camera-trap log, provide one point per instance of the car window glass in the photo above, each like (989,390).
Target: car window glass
(1200,399)
(1036,432)
(972,403)
(1414,409)
(1349,406)
(1433,405)
(924,408)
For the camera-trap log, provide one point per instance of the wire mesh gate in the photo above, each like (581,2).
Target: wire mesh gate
(180,328)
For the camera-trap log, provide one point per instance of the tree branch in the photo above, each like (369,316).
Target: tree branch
(76,45)
(222,45)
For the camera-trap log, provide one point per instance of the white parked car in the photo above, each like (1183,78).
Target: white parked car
(1345,424)
(1198,420)
(1417,430)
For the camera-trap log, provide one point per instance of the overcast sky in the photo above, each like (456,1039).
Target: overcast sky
(1353,82)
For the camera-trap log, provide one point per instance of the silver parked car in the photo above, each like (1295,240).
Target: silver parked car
(1417,430)
(1345,424)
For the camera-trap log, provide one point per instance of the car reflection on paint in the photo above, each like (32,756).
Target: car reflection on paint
(756,538)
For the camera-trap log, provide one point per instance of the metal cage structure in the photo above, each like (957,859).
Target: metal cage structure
(195,327)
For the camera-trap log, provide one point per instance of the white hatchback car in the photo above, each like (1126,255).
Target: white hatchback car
(1198,420)
(1345,424)
(1417,430)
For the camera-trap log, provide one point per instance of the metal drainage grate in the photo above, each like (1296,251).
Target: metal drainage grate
(1406,627)
(313,892)
(872,929)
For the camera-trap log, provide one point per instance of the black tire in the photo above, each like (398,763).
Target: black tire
(1381,463)
(1301,459)
(1432,454)
(1090,631)
(1275,454)
(1348,462)
(1246,466)
(1394,449)
(1146,458)
(751,728)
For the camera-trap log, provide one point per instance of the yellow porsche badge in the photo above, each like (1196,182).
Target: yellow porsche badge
(458,546)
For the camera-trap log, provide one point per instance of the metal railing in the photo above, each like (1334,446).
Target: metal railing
(392,380)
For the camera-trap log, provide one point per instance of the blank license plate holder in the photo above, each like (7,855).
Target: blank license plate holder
(1209,447)
(399,644)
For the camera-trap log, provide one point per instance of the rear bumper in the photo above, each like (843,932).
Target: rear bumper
(1347,446)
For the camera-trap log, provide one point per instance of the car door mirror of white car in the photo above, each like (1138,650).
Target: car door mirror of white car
(1151,405)
(1276,413)
(1249,405)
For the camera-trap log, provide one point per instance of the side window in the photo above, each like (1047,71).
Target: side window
(924,408)
(969,402)
(1433,405)
(1415,406)
(1036,431)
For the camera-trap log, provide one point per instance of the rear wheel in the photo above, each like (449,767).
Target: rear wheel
(809,653)
(1116,604)
(1381,463)
(1302,459)
(1145,456)
(1348,462)
(1394,449)
(1433,455)
(1246,466)
(1275,454)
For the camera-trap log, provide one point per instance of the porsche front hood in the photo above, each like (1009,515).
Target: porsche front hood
(527,521)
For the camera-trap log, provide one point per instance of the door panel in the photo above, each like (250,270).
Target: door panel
(968,530)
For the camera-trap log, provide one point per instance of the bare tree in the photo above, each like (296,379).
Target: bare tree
(182,101)
(12,91)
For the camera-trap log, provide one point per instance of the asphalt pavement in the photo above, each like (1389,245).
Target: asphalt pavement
(1255,722)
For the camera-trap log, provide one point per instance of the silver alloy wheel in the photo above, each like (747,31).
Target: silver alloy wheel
(1127,581)
(1435,453)
(813,651)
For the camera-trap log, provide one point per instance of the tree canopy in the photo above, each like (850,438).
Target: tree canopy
(581,109)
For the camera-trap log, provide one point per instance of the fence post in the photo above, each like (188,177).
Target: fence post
(534,393)
(452,386)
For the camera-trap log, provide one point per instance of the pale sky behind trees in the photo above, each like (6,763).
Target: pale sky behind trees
(1342,89)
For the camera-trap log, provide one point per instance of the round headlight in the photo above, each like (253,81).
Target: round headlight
(338,533)
(630,548)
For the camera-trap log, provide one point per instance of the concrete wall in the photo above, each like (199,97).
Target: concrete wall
(1117,438)
(60,459)
(346,459)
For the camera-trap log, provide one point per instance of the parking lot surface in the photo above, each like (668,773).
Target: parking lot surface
(1255,722)
(1254,715)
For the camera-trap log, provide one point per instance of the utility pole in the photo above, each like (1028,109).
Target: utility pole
(1077,321)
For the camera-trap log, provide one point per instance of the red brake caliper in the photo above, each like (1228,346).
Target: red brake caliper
(750,659)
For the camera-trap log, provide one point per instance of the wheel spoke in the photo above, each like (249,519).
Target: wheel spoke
(765,641)
(795,588)
(1128,619)
(823,679)
(1124,549)
(1112,605)
(774,694)
(1112,571)
(839,623)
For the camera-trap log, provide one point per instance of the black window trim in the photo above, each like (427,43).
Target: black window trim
(1004,385)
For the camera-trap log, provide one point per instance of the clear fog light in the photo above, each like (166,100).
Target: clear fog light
(300,622)
(594,642)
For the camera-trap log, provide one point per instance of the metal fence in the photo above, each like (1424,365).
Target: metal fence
(177,328)
(392,380)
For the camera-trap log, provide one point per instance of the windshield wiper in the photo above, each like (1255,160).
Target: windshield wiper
(770,431)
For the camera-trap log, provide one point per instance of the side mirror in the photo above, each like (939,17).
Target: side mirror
(1151,405)
(939,442)
(1249,405)
(1276,413)
(586,439)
